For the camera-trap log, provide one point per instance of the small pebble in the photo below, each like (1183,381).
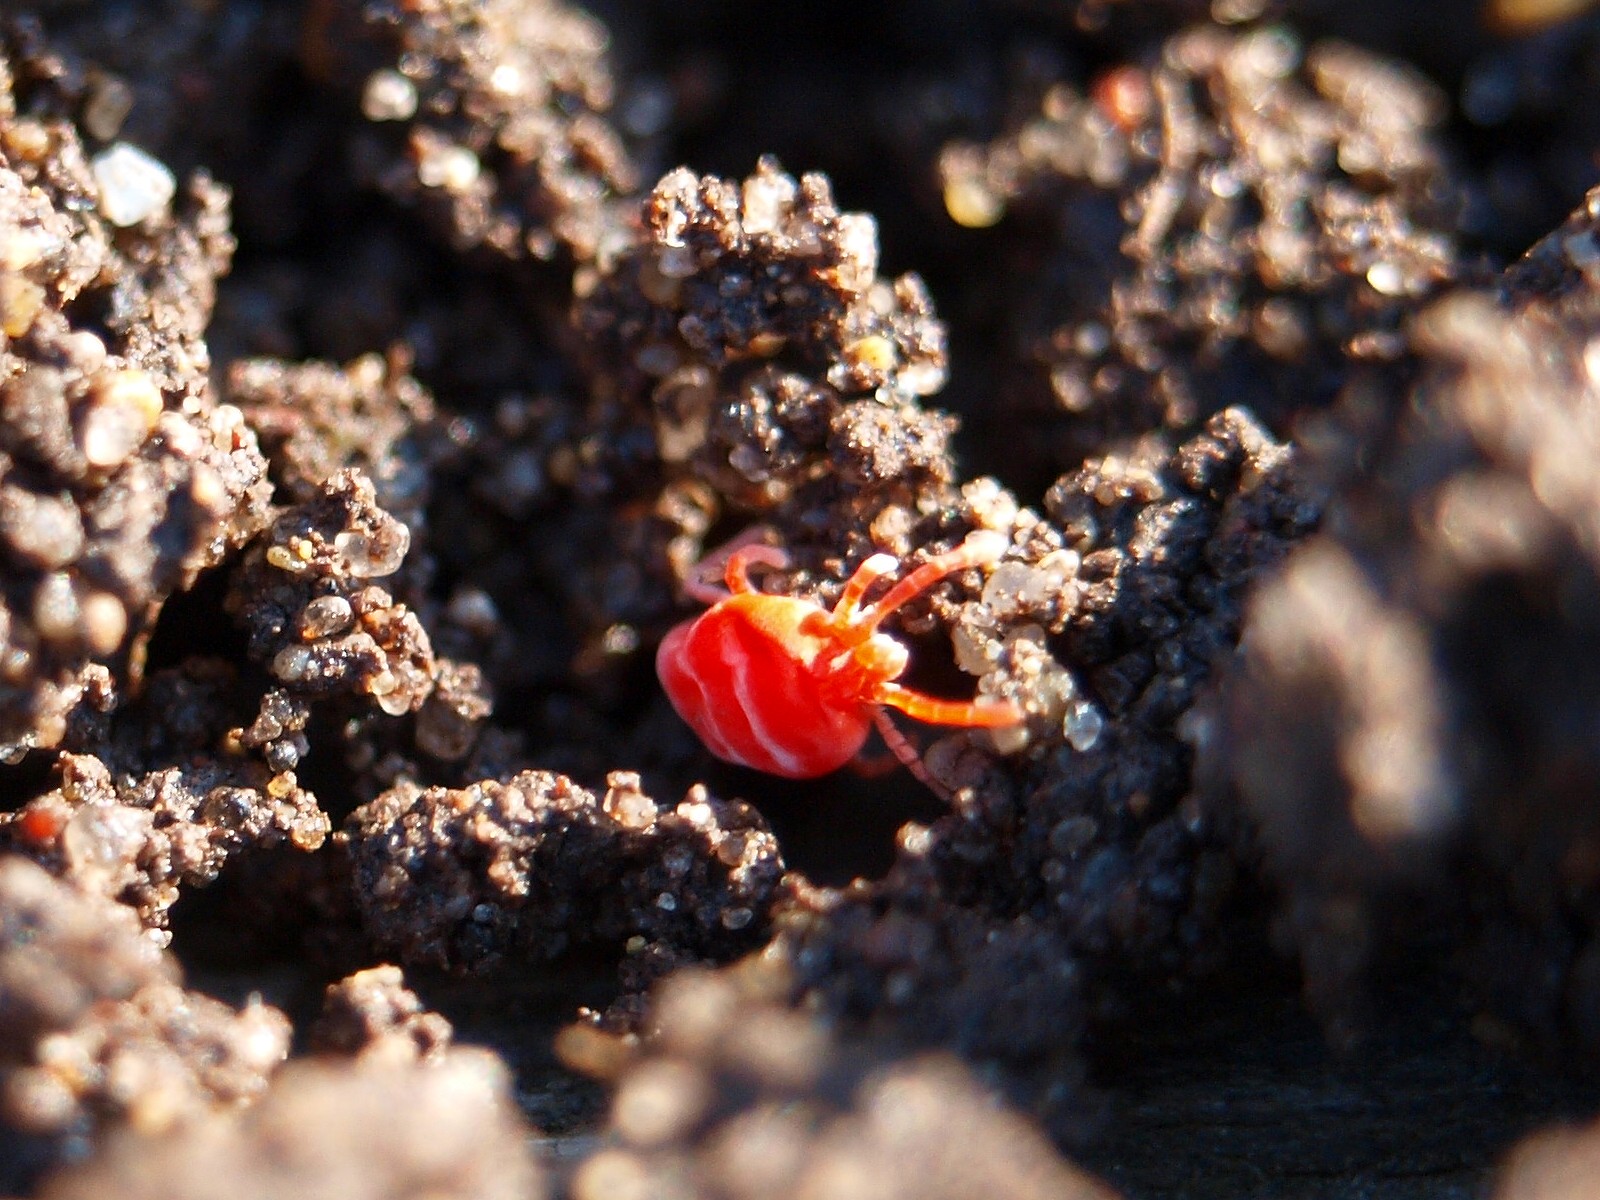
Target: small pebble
(448,166)
(1386,278)
(972,204)
(294,664)
(21,248)
(373,558)
(625,804)
(20,302)
(28,139)
(105,621)
(1082,726)
(388,96)
(613,1175)
(325,616)
(874,353)
(123,408)
(55,609)
(133,185)
(659,1102)
(858,241)
(42,530)
(766,198)
(107,107)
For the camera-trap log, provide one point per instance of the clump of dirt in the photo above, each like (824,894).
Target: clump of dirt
(100,1036)
(141,840)
(738,1095)
(490,119)
(373,1015)
(326,1130)
(1399,725)
(121,477)
(464,879)
(1241,219)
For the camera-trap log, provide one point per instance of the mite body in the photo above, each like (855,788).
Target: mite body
(788,687)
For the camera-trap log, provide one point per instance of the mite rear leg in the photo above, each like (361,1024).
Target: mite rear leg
(732,561)
(903,749)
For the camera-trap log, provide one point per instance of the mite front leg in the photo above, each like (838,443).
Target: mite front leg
(872,569)
(969,714)
(979,550)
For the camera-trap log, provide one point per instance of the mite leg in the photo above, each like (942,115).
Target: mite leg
(980,549)
(970,714)
(872,569)
(697,584)
(875,765)
(901,747)
(738,572)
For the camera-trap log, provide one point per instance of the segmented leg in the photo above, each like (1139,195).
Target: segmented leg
(738,573)
(979,549)
(874,765)
(874,568)
(971,714)
(902,749)
(698,586)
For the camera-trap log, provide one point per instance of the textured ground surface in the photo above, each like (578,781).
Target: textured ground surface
(375,374)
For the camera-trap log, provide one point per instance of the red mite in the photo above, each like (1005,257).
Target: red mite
(787,687)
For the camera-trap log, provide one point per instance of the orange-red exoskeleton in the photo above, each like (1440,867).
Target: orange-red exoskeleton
(788,687)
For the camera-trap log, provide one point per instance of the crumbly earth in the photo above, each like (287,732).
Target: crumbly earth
(1196,250)
(373,1015)
(525,869)
(736,1096)
(326,1131)
(375,376)
(100,1036)
(490,119)
(140,842)
(121,477)
(1425,657)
